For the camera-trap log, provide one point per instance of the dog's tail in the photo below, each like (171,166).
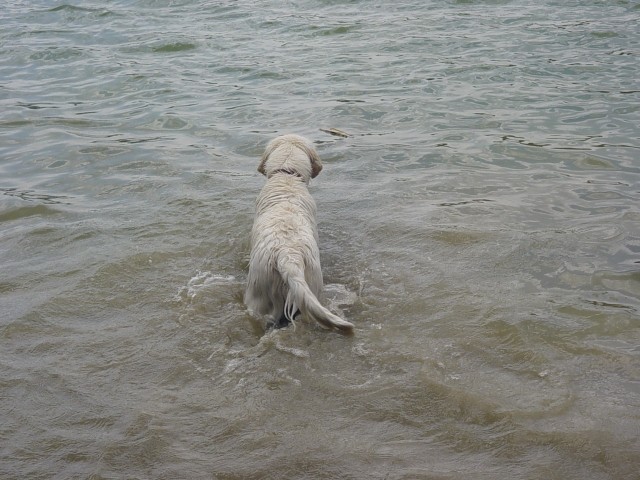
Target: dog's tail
(300,297)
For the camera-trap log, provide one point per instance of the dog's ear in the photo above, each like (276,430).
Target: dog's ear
(316,164)
(271,146)
(263,160)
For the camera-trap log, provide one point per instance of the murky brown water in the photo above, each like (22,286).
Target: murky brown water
(480,226)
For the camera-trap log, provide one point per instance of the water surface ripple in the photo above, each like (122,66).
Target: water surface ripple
(480,225)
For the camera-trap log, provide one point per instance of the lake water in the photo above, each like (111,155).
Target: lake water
(480,226)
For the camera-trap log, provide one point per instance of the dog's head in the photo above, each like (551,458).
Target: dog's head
(291,153)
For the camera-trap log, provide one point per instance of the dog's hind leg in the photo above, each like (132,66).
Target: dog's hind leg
(283,321)
(277,318)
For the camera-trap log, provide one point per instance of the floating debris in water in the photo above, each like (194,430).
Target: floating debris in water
(335,132)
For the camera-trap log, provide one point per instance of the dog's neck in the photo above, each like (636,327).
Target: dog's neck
(286,171)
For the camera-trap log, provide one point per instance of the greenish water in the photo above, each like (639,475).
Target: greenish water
(480,226)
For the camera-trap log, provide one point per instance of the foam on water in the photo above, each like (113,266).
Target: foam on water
(203,282)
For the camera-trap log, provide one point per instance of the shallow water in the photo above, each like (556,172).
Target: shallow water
(480,226)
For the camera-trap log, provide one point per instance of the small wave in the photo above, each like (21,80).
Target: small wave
(201,281)
(70,8)
(38,203)
(339,295)
(27,211)
(74,9)
(174,47)
(296,352)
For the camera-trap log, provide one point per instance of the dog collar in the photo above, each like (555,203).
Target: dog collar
(287,171)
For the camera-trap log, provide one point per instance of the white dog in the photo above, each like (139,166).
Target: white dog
(284,270)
